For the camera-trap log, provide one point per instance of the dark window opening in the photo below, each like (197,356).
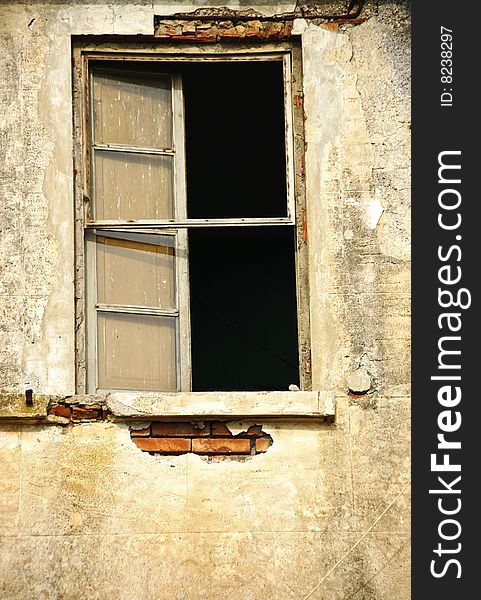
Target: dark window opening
(242,279)
(235,148)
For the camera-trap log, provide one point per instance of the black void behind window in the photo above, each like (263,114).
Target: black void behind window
(242,279)
(235,146)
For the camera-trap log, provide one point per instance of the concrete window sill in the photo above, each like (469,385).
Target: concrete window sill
(222,404)
(129,406)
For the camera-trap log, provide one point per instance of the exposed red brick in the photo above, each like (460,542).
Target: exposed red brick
(221,429)
(273,30)
(254,430)
(221,446)
(358,21)
(304,226)
(163,445)
(229,32)
(91,406)
(207,39)
(140,432)
(256,24)
(169,30)
(288,28)
(93,411)
(241,30)
(180,429)
(60,410)
(253,32)
(329,26)
(263,444)
(210,31)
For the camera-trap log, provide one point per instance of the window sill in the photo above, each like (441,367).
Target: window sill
(199,405)
(131,406)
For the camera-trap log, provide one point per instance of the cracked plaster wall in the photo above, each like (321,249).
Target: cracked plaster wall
(325,512)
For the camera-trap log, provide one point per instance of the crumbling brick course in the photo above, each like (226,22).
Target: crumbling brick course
(76,411)
(59,410)
(221,446)
(214,30)
(262,444)
(220,429)
(183,429)
(210,439)
(163,445)
(93,412)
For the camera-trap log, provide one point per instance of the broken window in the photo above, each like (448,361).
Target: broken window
(190,225)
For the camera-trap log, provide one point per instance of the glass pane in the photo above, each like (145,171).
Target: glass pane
(132,108)
(132,186)
(136,270)
(136,352)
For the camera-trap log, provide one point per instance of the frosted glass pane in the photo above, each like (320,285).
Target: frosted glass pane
(136,270)
(132,186)
(136,352)
(132,108)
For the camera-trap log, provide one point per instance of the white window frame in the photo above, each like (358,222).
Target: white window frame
(87,363)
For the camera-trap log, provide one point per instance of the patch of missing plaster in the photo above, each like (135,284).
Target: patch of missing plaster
(359,381)
(374,212)
(372,209)
(213,441)
(361,384)
(299,26)
(361,388)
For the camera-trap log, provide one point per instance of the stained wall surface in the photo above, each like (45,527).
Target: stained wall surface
(324,513)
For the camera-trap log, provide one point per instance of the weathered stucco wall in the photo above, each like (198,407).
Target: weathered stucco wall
(324,513)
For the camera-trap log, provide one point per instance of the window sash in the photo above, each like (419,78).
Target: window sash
(180,313)
(183,221)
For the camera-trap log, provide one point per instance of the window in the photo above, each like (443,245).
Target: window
(188,234)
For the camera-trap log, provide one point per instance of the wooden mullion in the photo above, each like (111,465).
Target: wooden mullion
(137,310)
(187,223)
(133,149)
(184,365)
